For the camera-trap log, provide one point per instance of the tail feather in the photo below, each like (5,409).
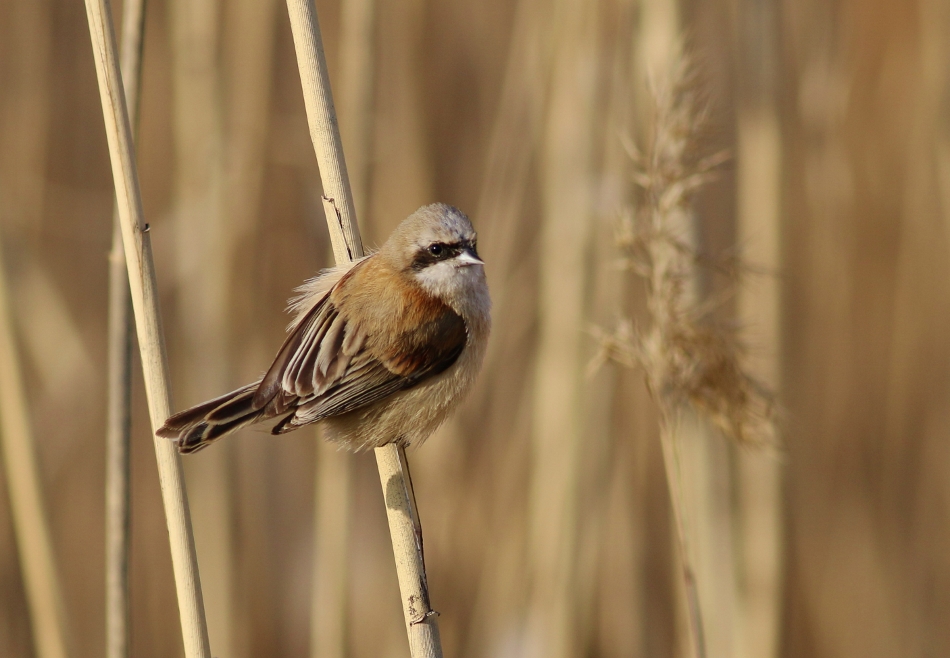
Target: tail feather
(238,406)
(200,435)
(195,428)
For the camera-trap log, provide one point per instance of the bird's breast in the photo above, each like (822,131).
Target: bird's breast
(406,327)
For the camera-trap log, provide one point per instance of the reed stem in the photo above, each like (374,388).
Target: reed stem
(205,243)
(405,530)
(119,414)
(334,474)
(759,230)
(144,293)
(118,429)
(30,523)
(674,480)
(331,559)
(559,432)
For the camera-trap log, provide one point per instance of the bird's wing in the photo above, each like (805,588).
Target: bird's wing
(331,365)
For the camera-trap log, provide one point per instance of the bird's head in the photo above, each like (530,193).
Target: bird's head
(436,247)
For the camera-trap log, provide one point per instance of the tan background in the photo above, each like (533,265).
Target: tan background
(859,89)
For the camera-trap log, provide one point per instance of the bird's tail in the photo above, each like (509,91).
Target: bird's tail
(195,428)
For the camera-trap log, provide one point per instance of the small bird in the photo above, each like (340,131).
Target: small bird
(380,349)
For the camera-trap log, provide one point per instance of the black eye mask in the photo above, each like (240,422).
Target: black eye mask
(439,251)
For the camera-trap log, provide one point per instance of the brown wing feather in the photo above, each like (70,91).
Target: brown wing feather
(331,364)
(431,347)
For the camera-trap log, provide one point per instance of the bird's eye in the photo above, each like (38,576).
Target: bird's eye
(436,250)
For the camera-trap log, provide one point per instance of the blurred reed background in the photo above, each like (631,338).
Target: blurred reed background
(544,501)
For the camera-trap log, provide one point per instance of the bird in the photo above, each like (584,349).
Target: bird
(380,350)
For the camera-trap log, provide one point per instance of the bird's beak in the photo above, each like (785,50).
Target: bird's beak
(469,257)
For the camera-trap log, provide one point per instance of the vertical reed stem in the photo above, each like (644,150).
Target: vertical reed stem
(558,428)
(248,49)
(357,79)
(332,506)
(117,453)
(674,480)
(421,626)
(205,240)
(759,165)
(23,164)
(31,527)
(665,274)
(331,563)
(119,414)
(144,292)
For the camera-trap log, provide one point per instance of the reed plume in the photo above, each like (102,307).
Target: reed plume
(689,358)
(691,362)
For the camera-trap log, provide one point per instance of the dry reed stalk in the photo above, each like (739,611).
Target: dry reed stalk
(118,429)
(119,413)
(515,135)
(249,44)
(43,317)
(31,526)
(357,85)
(23,164)
(607,292)
(143,289)
(759,162)
(324,131)
(331,560)
(205,245)
(934,17)
(248,52)
(917,348)
(933,147)
(504,200)
(404,172)
(557,428)
(404,526)
(670,439)
(334,475)
(26,95)
(706,474)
